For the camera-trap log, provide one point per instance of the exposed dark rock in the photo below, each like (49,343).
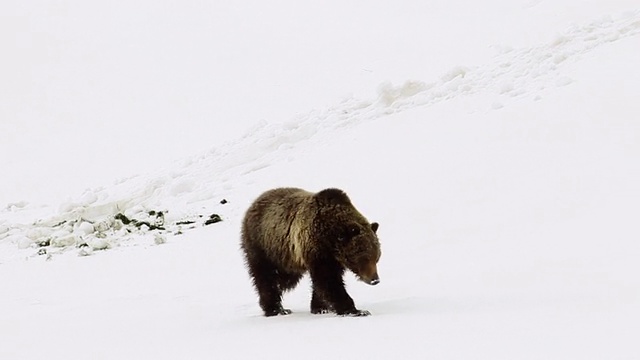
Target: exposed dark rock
(125,220)
(186,222)
(214,218)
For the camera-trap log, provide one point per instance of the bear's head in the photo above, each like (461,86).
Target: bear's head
(353,239)
(359,250)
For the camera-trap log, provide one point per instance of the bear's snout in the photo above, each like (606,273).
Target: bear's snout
(370,274)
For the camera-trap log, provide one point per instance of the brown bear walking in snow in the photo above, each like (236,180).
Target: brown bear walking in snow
(287,232)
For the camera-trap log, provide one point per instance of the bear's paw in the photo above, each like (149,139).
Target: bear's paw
(281,311)
(357,312)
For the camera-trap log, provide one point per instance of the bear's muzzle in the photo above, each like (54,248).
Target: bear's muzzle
(368,273)
(375,280)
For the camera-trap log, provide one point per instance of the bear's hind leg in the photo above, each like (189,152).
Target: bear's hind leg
(287,281)
(318,304)
(266,280)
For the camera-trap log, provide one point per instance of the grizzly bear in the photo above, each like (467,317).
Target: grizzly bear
(288,232)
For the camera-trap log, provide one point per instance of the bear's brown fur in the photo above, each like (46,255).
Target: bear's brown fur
(288,231)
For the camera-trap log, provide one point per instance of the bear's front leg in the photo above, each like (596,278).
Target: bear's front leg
(329,292)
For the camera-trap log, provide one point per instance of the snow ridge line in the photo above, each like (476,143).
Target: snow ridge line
(514,73)
(519,72)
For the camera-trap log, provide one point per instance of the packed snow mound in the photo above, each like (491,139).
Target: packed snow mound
(190,192)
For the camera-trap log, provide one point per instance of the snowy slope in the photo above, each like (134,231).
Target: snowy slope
(118,88)
(506,191)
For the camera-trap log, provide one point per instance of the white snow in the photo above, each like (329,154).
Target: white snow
(497,145)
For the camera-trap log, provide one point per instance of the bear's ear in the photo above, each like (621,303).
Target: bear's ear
(333,196)
(374,227)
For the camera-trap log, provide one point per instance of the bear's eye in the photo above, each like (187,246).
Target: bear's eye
(349,232)
(353,231)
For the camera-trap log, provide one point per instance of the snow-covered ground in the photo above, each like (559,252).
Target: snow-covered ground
(498,146)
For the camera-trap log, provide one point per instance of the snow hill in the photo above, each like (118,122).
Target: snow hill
(506,193)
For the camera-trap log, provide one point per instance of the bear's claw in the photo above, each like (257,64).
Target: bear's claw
(320,311)
(280,311)
(357,313)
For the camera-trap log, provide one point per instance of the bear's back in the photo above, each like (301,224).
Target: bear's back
(277,223)
(278,204)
